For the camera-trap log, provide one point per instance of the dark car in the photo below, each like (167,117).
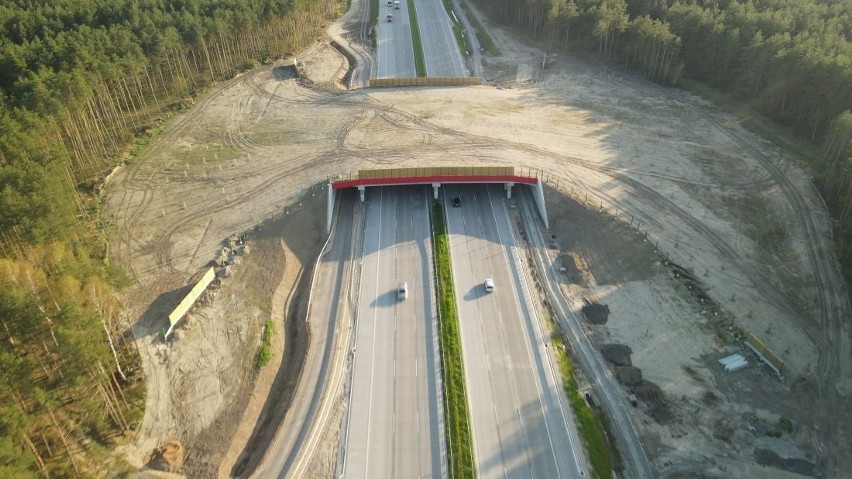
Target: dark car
(456,202)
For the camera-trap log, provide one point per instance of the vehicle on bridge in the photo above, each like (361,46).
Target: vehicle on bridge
(402,291)
(390,18)
(396,4)
(489,285)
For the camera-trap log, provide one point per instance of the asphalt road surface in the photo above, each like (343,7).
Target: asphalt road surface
(441,52)
(522,425)
(394,47)
(395,423)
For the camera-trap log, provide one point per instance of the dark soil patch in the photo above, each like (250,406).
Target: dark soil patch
(617,354)
(766,457)
(652,395)
(285,72)
(710,398)
(571,267)
(596,313)
(628,375)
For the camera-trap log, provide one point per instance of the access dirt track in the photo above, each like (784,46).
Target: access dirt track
(664,163)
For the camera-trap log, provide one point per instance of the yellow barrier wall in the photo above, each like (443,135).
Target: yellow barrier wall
(436,171)
(769,355)
(189,299)
(425,81)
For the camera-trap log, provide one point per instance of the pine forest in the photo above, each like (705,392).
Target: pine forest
(83,83)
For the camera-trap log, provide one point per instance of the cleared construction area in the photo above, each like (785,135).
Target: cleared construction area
(629,168)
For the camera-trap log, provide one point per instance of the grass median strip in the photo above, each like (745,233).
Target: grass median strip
(457,416)
(591,428)
(419,59)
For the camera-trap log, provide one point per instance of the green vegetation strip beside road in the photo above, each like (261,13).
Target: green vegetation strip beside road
(592,429)
(456,415)
(264,353)
(485,40)
(457,29)
(374,21)
(419,58)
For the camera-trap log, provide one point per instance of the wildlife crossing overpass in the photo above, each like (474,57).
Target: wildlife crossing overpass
(437,176)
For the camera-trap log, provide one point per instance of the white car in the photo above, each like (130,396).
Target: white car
(489,285)
(402,291)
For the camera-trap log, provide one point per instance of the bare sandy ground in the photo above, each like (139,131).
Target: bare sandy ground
(723,204)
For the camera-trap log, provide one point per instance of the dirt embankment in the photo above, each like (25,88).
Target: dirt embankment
(172,212)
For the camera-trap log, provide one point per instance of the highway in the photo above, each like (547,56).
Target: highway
(522,425)
(395,421)
(441,52)
(394,47)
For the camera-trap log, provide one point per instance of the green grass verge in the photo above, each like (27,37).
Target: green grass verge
(457,29)
(419,58)
(374,20)
(485,40)
(264,353)
(456,415)
(602,455)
